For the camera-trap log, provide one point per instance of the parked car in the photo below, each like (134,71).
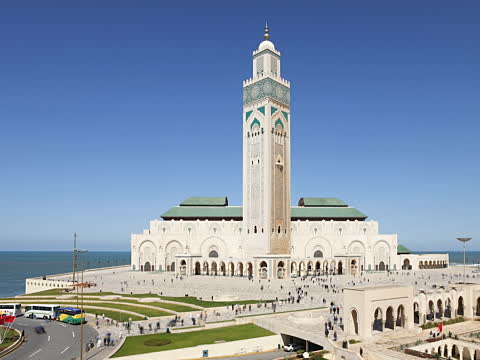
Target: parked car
(291,347)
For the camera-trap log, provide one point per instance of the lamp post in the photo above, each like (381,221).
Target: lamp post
(464,241)
(82,308)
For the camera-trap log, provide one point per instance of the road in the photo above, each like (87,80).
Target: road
(60,342)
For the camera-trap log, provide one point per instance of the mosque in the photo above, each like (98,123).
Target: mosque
(267,237)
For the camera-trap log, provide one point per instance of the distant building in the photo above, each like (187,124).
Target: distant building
(267,237)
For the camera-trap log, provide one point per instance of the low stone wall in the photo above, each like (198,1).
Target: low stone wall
(265,343)
(50,282)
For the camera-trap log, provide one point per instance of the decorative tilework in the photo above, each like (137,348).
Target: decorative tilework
(262,109)
(285,114)
(279,122)
(273,109)
(266,88)
(247,114)
(266,51)
(255,121)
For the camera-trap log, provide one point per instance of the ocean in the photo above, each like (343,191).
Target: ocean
(16,266)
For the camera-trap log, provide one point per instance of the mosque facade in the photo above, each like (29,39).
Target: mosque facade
(267,237)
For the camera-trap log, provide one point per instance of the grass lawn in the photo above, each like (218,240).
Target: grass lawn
(115,315)
(209,304)
(136,344)
(48,292)
(137,309)
(161,304)
(10,338)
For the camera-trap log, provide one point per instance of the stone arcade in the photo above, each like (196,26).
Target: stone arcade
(267,237)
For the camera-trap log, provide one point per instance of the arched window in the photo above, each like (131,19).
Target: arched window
(318,254)
(213,254)
(254,229)
(279,230)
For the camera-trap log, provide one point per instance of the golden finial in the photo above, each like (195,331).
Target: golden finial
(266,36)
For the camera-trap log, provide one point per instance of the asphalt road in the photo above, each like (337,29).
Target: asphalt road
(60,342)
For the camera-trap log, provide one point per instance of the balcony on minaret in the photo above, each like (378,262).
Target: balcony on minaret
(279,162)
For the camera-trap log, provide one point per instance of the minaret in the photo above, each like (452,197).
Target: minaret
(266,154)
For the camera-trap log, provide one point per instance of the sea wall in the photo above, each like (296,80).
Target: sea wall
(49,282)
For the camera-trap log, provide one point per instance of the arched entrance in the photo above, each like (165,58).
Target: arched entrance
(240,269)
(340,268)
(250,269)
(439,308)
(214,268)
(183,267)
(378,320)
(147,267)
(293,269)
(400,316)
(172,266)
(222,269)
(318,254)
(416,313)
(280,270)
(353,267)
(478,307)
(205,268)
(231,269)
(389,321)
(198,269)
(263,270)
(406,265)
(355,321)
(460,306)
(381,266)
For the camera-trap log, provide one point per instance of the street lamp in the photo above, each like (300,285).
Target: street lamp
(464,241)
(82,285)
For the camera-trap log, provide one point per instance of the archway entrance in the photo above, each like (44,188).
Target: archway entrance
(340,268)
(400,316)
(263,270)
(222,268)
(416,313)
(147,267)
(381,266)
(353,267)
(460,306)
(378,320)
(406,265)
(355,321)
(197,268)
(389,321)
(440,308)
(280,270)
(478,307)
(250,270)
(214,268)
(240,269)
(183,267)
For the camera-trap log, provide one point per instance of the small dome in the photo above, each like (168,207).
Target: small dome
(266,44)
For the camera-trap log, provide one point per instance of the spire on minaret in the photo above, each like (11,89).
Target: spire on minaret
(266,36)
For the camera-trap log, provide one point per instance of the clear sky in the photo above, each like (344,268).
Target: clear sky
(111,112)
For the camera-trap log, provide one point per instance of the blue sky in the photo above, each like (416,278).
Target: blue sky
(112,113)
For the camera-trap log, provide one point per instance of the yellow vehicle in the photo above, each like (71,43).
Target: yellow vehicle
(70,315)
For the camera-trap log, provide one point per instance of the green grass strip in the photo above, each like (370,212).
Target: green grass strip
(136,344)
(209,304)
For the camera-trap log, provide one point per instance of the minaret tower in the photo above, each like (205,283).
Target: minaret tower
(266,154)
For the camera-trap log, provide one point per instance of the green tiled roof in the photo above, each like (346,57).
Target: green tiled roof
(403,250)
(205,201)
(235,213)
(327,213)
(204,212)
(321,202)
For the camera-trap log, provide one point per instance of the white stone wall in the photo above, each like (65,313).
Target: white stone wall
(161,244)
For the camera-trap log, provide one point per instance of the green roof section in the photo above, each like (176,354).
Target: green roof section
(403,250)
(320,213)
(204,212)
(321,202)
(190,212)
(205,201)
